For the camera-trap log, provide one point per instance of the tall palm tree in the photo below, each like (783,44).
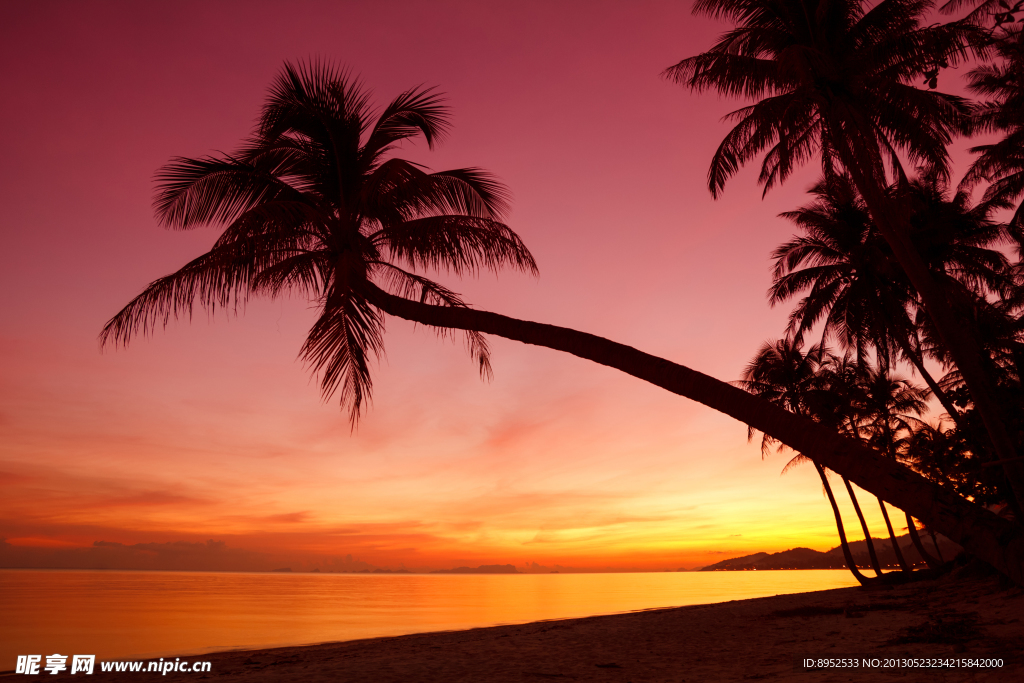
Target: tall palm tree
(891,410)
(303,210)
(851,281)
(862,400)
(855,286)
(834,78)
(781,372)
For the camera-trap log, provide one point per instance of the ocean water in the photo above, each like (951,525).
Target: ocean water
(137,614)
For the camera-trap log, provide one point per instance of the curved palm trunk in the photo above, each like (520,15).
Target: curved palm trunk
(847,554)
(915,538)
(993,539)
(864,526)
(915,359)
(962,346)
(892,538)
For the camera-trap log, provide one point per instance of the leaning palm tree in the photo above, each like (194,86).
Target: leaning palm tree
(782,373)
(833,78)
(891,411)
(314,202)
(840,404)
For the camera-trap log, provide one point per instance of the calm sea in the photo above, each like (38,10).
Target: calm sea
(122,614)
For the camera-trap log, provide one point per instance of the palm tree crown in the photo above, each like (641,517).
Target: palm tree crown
(830,76)
(835,78)
(1001,163)
(847,272)
(856,285)
(315,201)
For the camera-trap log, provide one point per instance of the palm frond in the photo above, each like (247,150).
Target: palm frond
(418,111)
(219,278)
(339,347)
(418,288)
(459,244)
(194,192)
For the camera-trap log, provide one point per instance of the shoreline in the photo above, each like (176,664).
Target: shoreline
(756,638)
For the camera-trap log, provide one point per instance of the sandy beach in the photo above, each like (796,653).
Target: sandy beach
(754,639)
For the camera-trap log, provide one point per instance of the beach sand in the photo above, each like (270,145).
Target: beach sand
(754,639)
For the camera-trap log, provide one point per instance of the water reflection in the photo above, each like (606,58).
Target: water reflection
(119,614)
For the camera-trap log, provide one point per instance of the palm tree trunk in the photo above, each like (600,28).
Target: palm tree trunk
(892,538)
(893,224)
(864,525)
(930,381)
(847,553)
(993,539)
(963,427)
(915,538)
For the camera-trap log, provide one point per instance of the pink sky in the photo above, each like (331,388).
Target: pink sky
(213,430)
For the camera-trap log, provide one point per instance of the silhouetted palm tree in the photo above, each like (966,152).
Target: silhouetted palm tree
(1001,82)
(316,201)
(852,283)
(890,412)
(855,286)
(313,202)
(841,403)
(833,78)
(781,372)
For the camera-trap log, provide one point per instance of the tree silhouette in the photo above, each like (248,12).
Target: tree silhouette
(834,79)
(854,286)
(325,211)
(781,372)
(315,201)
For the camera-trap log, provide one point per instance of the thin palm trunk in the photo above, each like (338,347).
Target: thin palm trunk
(892,223)
(915,359)
(892,538)
(847,553)
(915,538)
(991,538)
(864,526)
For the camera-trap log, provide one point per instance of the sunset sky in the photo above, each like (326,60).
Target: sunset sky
(213,430)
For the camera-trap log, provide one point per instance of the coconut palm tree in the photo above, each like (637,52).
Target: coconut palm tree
(851,281)
(781,372)
(833,78)
(1001,164)
(890,411)
(314,202)
(857,289)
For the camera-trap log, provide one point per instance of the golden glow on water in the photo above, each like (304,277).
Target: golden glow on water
(119,614)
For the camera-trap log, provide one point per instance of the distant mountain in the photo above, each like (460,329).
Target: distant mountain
(805,558)
(482,569)
(797,558)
